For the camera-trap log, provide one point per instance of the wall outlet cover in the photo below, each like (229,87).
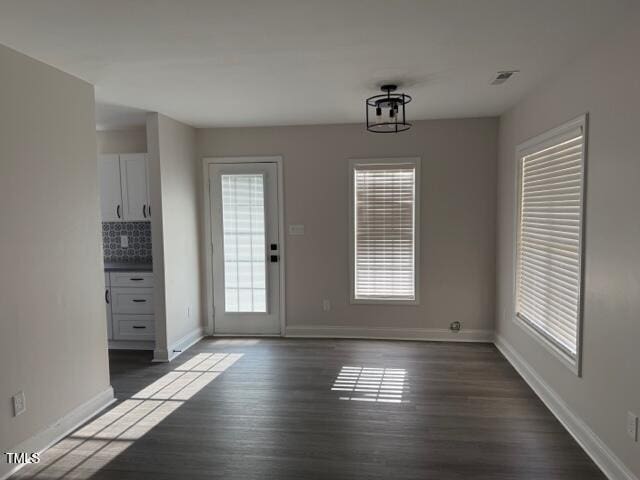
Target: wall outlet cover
(326,305)
(19,404)
(124,241)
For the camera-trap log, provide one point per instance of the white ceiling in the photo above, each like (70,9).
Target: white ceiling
(288,62)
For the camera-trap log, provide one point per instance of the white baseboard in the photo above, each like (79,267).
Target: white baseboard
(385,333)
(63,427)
(608,462)
(179,346)
(160,355)
(248,335)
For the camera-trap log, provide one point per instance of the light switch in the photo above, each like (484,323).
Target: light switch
(124,241)
(297,229)
(19,404)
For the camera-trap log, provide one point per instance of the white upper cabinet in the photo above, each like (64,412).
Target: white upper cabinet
(110,189)
(135,192)
(124,190)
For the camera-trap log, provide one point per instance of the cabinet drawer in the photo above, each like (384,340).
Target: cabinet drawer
(131,279)
(137,301)
(133,327)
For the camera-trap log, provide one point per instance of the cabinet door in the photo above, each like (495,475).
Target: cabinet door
(110,188)
(148,190)
(107,299)
(133,173)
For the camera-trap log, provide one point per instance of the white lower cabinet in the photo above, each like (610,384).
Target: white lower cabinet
(133,327)
(132,300)
(131,279)
(130,320)
(107,299)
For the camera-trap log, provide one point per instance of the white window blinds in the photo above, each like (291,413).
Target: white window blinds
(244,243)
(384,232)
(549,248)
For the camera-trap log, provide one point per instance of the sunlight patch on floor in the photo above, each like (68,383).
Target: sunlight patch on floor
(91,447)
(365,384)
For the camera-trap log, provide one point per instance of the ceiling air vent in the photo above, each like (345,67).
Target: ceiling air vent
(503,76)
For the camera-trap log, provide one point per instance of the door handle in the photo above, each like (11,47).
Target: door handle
(118,211)
(106,295)
(274,258)
(139,300)
(136,279)
(144,211)
(138,326)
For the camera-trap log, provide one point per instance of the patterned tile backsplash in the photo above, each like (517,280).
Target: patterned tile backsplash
(139,249)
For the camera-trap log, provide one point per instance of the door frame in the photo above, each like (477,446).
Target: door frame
(208,244)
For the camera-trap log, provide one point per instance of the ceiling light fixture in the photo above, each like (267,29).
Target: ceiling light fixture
(386,113)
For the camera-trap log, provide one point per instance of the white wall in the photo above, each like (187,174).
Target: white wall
(133,140)
(176,234)
(53,339)
(458,221)
(605,83)
(157,243)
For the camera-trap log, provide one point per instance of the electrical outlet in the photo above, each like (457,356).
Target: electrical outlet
(19,404)
(632,426)
(326,305)
(124,241)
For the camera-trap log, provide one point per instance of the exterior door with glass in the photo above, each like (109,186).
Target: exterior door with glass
(245,248)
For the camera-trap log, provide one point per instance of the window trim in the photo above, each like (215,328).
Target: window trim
(530,146)
(360,162)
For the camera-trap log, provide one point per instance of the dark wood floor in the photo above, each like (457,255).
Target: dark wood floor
(274,411)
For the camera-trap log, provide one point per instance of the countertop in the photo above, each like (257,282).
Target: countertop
(128,267)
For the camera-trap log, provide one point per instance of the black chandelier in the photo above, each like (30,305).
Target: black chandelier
(386,113)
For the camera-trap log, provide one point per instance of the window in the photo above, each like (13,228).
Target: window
(549,240)
(384,230)
(244,241)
